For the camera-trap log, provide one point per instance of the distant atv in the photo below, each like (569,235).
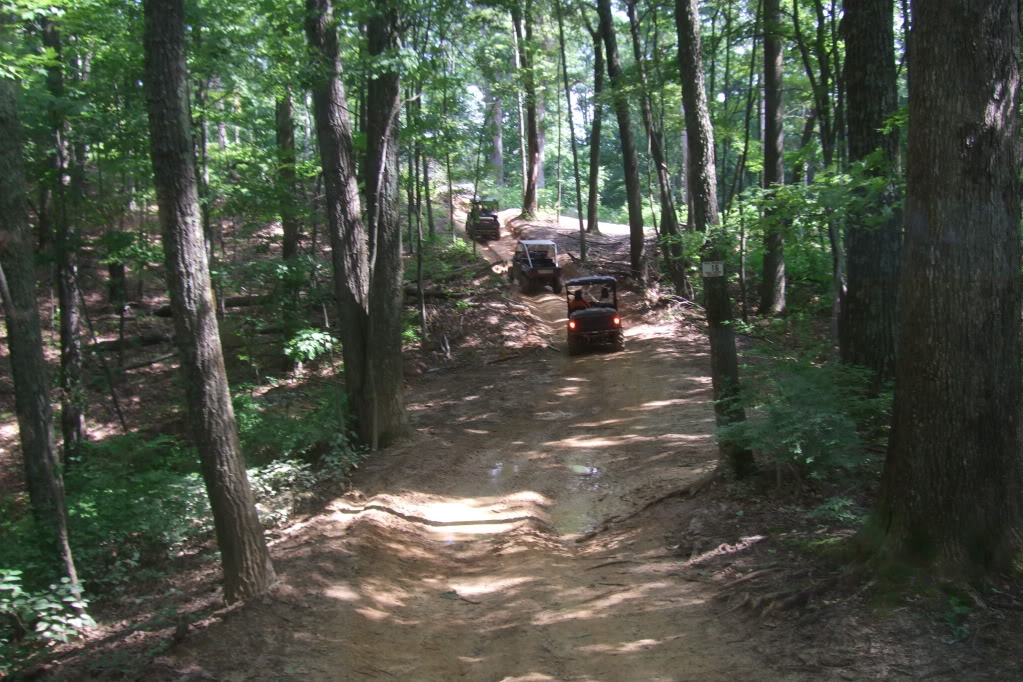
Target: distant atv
(535,265)
(593,317)
(483,223)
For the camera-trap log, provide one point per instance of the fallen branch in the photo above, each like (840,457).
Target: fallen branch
(750,576)
(229,302)
(503,359)
(147,363)
(149,339)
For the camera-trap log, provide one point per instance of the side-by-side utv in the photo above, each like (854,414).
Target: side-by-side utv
(535,265)
(483,223)
(593,317)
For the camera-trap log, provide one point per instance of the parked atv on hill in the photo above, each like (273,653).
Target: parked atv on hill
(535,265)
(593,317)
(483,223)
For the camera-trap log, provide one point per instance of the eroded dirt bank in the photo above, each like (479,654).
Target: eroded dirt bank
(467,552)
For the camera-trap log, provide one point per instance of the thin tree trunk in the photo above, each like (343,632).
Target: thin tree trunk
(669,218)
(633,188)
(428,199)
(702,180)
(571,134)
(72,392)
(593,196)
(24,336)
(772,290)
(951,500)
(497,156)
(529,196)
(285,130)
(246,560)
(517,63)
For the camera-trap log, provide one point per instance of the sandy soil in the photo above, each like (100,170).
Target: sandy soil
(467,551)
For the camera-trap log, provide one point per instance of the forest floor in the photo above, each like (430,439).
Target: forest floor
(547,518)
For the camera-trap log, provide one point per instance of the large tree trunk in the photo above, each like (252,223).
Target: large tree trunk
(867,332)
(285,129)
(386,293)
(366,260)
(529,199)
(633,187)
(247,568)
(952,490)
(772,289)
(703,185)
(24,337)
(593,197)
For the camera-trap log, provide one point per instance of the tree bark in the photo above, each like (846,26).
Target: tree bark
(867,330)
(703,185)
(285,130)
(246,560)
(571,133)
(529,197)
(952,491)
(24,336)
(516,35)
(366,256)
(633,187)
(772,290)
(497,155)
(386,292)
(72,398)
(593,196)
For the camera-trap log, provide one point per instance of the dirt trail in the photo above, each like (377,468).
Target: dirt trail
(464,552)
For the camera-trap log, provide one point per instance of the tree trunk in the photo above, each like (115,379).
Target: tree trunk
(952,491)
(593,196)
(517,64)
(24,336)
(529,198)
(633,187)
(247,568)
(72,412)
(772,290)
(497,155)
(703,184)
(867,331)
(427,198)
(366,256)
(669,218)
(285,129)
(571,133)
(386,292)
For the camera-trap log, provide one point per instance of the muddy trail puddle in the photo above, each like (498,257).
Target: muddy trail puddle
(468,551)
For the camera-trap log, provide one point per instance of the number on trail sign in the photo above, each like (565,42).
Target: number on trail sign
(714,268)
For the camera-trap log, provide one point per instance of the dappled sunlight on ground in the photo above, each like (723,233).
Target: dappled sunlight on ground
(502,539)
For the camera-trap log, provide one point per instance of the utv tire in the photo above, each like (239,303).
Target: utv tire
(556,286)
(619,344)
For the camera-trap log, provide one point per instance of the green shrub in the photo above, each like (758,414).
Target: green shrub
(308,344)
(29,619)
(136,502)
(808,417)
